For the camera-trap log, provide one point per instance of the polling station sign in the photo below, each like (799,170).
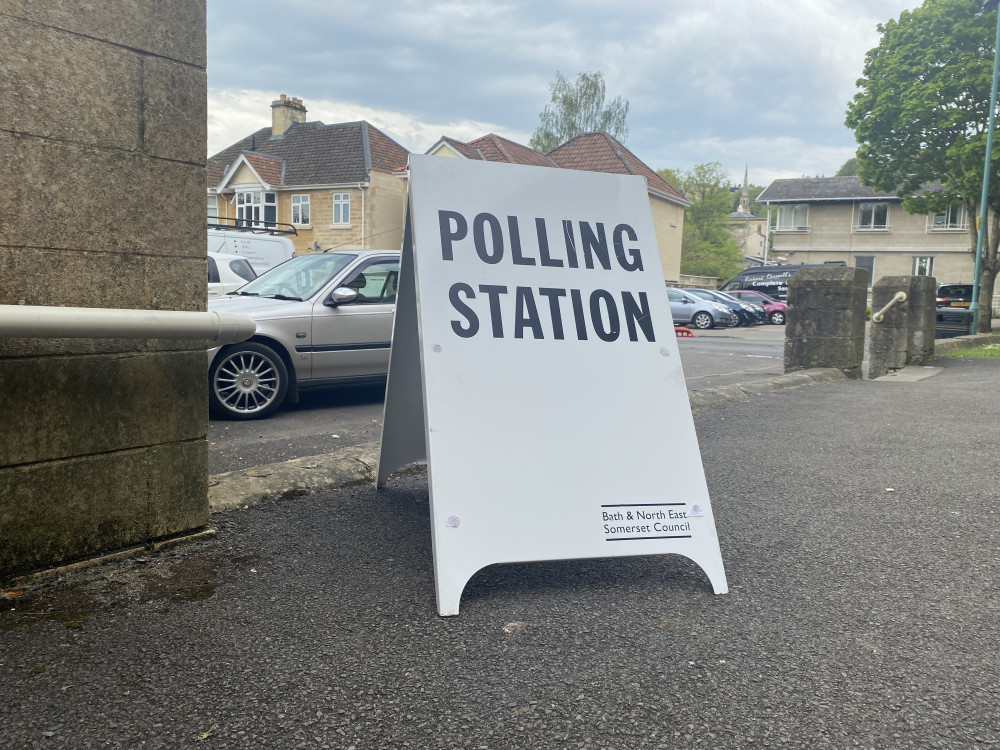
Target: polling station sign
(535,368)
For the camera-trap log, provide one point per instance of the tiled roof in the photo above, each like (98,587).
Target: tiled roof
(270,168)
(599,152)
(590,152)
(317,154)
(496,148)
(819,189)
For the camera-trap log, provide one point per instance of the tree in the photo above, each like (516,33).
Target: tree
(849,168)
(579,108)
(708,247)
(921,115)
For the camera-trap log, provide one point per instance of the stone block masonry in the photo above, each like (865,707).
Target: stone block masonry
(102,134)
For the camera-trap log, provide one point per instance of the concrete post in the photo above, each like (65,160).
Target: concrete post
(889,344)
(923,319)
(826,319)
(905,335)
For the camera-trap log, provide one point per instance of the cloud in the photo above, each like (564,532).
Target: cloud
(764,83)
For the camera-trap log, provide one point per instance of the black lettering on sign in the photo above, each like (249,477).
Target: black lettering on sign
(526,313)
(464,310)
(449,235)
(634,261)
(496,238)
(493,292)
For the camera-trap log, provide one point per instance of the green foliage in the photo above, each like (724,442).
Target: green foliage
(921,115)
(579,108)
(849,168)
(708,247)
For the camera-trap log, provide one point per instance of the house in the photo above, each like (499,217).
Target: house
(339,186)
(821,219)
(591,152)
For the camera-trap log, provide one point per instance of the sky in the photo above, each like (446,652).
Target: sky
(761,86)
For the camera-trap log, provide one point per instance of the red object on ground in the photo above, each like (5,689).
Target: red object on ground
(684,333)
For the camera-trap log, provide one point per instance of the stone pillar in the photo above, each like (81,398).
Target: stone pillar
(826,319)
(923,319)
(905,335)
(102,134)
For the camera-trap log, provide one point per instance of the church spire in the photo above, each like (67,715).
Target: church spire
(745,195)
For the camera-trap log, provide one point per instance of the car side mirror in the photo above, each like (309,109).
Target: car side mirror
(342,295)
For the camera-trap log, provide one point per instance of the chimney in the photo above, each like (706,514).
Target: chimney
(284,113)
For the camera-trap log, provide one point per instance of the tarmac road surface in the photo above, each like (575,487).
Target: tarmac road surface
(859,533)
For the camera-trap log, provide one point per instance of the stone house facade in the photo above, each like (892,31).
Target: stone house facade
(823,219)
(338,186)
(591,152)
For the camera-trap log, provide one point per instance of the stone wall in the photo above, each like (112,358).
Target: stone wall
(826,319)
(102,134)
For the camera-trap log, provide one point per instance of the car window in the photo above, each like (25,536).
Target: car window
(242,269)
(213,271)
(301,277)
(376,282)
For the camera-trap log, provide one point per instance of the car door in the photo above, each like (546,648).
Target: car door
(352,340)
(681,307)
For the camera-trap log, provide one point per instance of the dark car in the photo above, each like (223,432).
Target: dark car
(954,295)
(775,309)
(747,314)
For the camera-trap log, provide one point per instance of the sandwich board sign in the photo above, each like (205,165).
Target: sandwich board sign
(535,368)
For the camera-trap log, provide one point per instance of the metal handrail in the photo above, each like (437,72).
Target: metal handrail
(36,321)
(897,297)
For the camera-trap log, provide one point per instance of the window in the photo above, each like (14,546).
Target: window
(249,204)
(953,217)
(792,218)
(213,206)
(873,216)
(341,208)
(300,209)
(868,263)
(376,282)
(270,208)
(923,265)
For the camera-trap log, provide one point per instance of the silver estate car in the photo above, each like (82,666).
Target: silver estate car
(322,319)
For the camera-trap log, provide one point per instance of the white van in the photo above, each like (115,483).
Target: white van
(264,248)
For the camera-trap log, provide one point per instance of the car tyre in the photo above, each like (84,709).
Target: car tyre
(777,318)
(702,320)
(247,381)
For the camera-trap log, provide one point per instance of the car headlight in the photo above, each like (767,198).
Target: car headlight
(720,306)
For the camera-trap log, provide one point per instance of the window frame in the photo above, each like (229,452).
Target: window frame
(948,224)
(299,202)
(870,225)
(793,211)
(929,270)
(262,205)
(213,211)
(341,209)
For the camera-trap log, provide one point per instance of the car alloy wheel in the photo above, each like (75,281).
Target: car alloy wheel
(247,381)
(778,318)
(702,320)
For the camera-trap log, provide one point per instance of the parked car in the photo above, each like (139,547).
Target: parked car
(700,313)
(775,309)
(747,314)
(227,273)
(323,319)
(954,295)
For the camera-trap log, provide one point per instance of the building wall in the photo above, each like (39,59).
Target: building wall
(668,223)
(388,200)
(831,237)
(102,135)
(381,225)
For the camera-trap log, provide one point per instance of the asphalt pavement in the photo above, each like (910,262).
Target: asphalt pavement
(859,526)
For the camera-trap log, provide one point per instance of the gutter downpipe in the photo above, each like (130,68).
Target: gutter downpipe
(974,305)
(37,321)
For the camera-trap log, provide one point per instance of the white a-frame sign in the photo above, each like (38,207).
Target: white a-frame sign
(535,368)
